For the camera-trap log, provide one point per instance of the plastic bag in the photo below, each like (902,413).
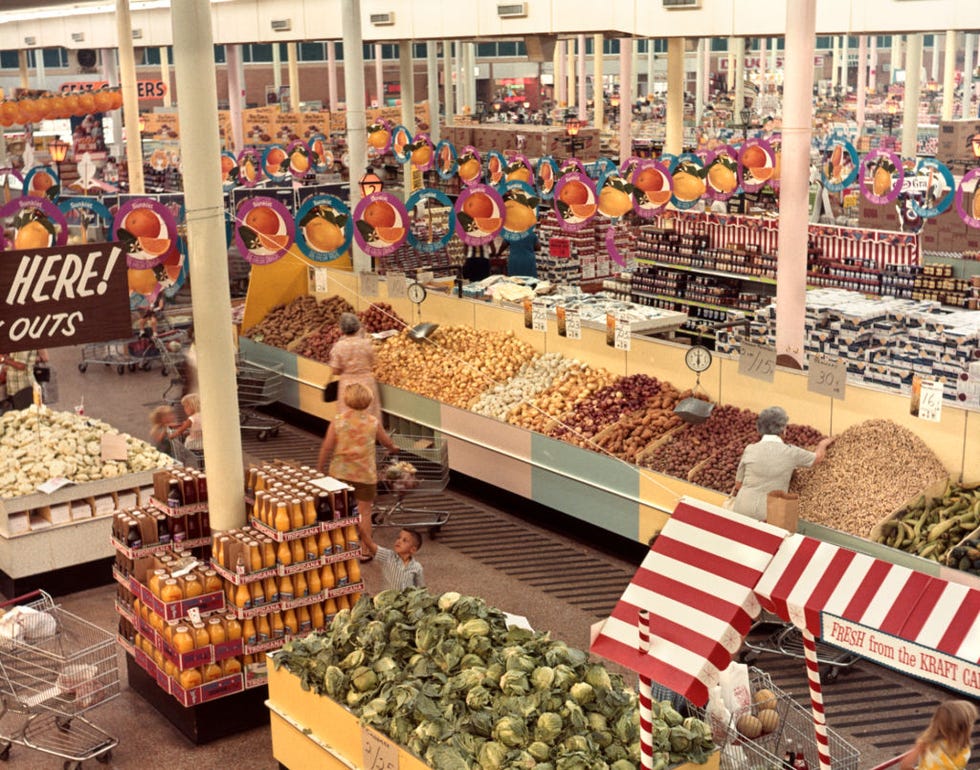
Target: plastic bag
(735,687)
(719,716)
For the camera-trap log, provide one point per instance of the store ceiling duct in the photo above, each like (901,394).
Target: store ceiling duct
(281,25)
(512,10)
(540,48)
(382,19)
(682,5)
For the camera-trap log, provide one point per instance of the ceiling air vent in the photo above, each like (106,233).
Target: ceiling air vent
(512,10)
(682,5)
(77,37)
(281,25)
(385,19)
(137,34)
(30,40)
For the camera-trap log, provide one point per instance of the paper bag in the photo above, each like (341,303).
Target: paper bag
(783,510)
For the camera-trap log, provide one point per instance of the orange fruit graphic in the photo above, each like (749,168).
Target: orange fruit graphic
(32,235)
(493,167)
(574,193)
(518,217)
(547,176)
(273,242)
(882,181)
(445,157)
(379,214)
(400,141)
(754,157)
(378,139)
(41,182)
(142,281)
(142,223)
(275,158)
(479,205)
(248,169)
(613,202)
(469,169)
(323,235)
(648,180)
(422,155)
(390,234)
(722,178)
(263,220)
(488,224)
(155,247)
(299,161)
(227,164)
(520,175)
(583,210)
(659,197)
(317,147)
(688,187)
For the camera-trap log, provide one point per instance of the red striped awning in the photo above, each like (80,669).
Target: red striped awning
(697,582)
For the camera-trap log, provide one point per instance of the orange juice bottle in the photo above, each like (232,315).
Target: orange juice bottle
(233,628)
(212,671)
(192,586)
(300,587)
(243,597)
(329,609)
(304,619)
(171,592)
(309,511)
(353,571)
(263,628)
(212,583)
(257,592)
(316,616)
(284,554)
(311,548)
(352,537)
(268,552)
(355,598)
(249,632)
(324,544)
(201,636)
(340,571)
(297,551)
(255,555)
(296,513)
(282,521)
(231,666)
(190,678)
(338,540)
(271,589)
(183,640)
(158,657)
(290,622)
(343,602)
(216,631)
(277,625)
(327,577)
(156,621)
(286,590)
(313,581)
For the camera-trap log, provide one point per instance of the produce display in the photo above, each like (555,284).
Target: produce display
(932,525)
(966,556)
(448,680)
(454,365)
(378,317)
(544,412)
(634,432)
(533,377)
(870,470)
(40,444)
(287,323)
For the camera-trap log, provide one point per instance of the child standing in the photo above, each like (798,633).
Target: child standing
(192,425)
(398,564)
(163,419)
(945,743)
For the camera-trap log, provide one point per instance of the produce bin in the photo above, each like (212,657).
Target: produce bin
(310,730)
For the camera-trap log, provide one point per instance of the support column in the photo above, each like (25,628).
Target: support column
(583,94)
(379,76)
(967,93)
(200,151)
(131,105)
(674,139)
(350,11)
(795,180)
(110,71)
(635,72)
(598,86)
(406,79)
(707,70)
(276,69)
(561,74)
(739,102)
(331,75)
(41,77)
(625,108)
(432,88)
(862,82)
(934,59)
(236,94)
(292,62)
(835,63)
(949,73)
(731,64)
(572,92)
(873,64)
(165,75)
(699,97)
(25,75)
(447,80)
(471,75)
(774,56)
(844,68)
(913,92)
(896,57)
(651,64)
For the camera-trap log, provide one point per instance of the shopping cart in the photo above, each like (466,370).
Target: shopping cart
(793,726)
(54,666)
(787,640)
(117,353)
(420,468)
(258,386)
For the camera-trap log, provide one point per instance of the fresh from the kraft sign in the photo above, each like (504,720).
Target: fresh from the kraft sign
(63,296)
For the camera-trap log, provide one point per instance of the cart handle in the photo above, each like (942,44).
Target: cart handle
(35,594)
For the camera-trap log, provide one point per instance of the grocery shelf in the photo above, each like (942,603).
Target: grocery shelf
(707,271)
(682,301)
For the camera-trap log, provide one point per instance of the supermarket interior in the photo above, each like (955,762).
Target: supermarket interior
(673,313)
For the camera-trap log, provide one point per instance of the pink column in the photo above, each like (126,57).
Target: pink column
(794,182)
(332,74)
(379,75)
(873,64)
(625,106)
(862,81)
(583,113)
(561,77)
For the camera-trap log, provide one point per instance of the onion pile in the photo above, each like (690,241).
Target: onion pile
(532,378)
(606,406)
(544,412)
(380,317)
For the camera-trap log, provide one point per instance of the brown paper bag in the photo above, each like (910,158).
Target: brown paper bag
(783,510)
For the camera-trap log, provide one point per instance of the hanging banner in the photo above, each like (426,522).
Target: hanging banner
(968,200)
(325,228)
(275,163)
(321,158)
(298,155)
(840,166)
(35,223)
(627,166)
(421,152)
(479,215)
(615,196)
(722,173)
(379,137)
(881,176)
(931,188)
(573,164)
(575,200)
(653,187)
(249,168)
(380,224)
(401,138)
(603,167)
(495,167)
(518,169)
(470,166)
(229,170)
(446,164)
(689,185)
(544,177)
(42,182)
(756,164)
(87,213)
(264,230)
(148,231)
(520,210)
(423,236)
(53,297)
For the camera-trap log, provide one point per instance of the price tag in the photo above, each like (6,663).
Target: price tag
(369,284)
(757,361)
(588,270)
(114,447)
(561,248)
(53,485)
(827,378)
(416,180)
(377,752)
(573,324)
(539,317)
(927,399)
(320,280)
(424,276)
(622,338)
(397,286)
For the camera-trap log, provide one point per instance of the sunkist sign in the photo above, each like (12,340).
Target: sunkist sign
(146,89)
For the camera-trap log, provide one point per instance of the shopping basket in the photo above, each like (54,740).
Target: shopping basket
(258,386)
(407,479)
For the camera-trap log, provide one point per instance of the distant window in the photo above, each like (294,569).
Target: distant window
(825,42)
(368,52)
(9,60)
(311,52)
(642,45)
(521,48)
(219,54)
(257,52)
(420,50)
(338,49)
(389,50)
(507,48)
(55,58)
(151,56)
(486,50)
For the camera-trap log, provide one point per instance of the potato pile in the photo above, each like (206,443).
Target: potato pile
(605,407)
(454,365)
(287,323)
(533,377)
(380,317)
(545,412)
(377,317)
(871,469)
(634,432)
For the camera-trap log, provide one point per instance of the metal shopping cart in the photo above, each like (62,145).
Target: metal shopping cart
(54,666)
(258,386)
(115,353)
(421,467)
(787,640)
(794,725)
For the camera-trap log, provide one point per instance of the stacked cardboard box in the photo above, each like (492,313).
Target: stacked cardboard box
(954,137)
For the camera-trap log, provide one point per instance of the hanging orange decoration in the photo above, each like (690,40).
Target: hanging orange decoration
(86,102)
(103,100)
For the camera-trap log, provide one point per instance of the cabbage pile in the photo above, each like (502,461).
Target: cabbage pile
(448,680)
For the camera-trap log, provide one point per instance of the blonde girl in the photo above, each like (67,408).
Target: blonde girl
(945,743)
(163,419)
(192,425)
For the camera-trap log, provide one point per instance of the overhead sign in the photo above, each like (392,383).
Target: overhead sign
(63,296)
(146,89)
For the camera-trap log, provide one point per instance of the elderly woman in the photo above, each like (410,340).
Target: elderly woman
(768,464)
(352,361)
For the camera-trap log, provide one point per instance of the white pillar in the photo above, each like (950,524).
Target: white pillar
(406,79)
(350,11)
(165,75)
(276,69)
(774,56)
(131,110)
(598,91)
(25,76)
(462,82)
(739,102)
(432,88)
(41,78)
(200,150)
(699,98)
(110,71)
(379,76)
(236,94)
(447,80)
(896,57)
(707,69)
(583,95)
(635,71)
(795,180)
(292,61)
(873,64)
(471,75)
(934,60)
(862,82)
(913,92)
(731,63)
(844,68)
(625,107)
(561,74)
(949,73)
(572,63)
(835,63)
(331,75)
(674,139)
(968,49)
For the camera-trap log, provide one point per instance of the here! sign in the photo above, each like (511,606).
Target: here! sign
(61,296)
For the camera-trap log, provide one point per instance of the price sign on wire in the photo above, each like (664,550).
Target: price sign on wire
(424,276)
(757,361)
(397,287)
(622,339)
(378,753)
(827,377)
(368,284)
(539,317)
(930,406)
(573,324)
(319,279)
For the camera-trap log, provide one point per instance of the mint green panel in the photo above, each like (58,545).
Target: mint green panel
(257,353)
(573,488)
(411,406)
